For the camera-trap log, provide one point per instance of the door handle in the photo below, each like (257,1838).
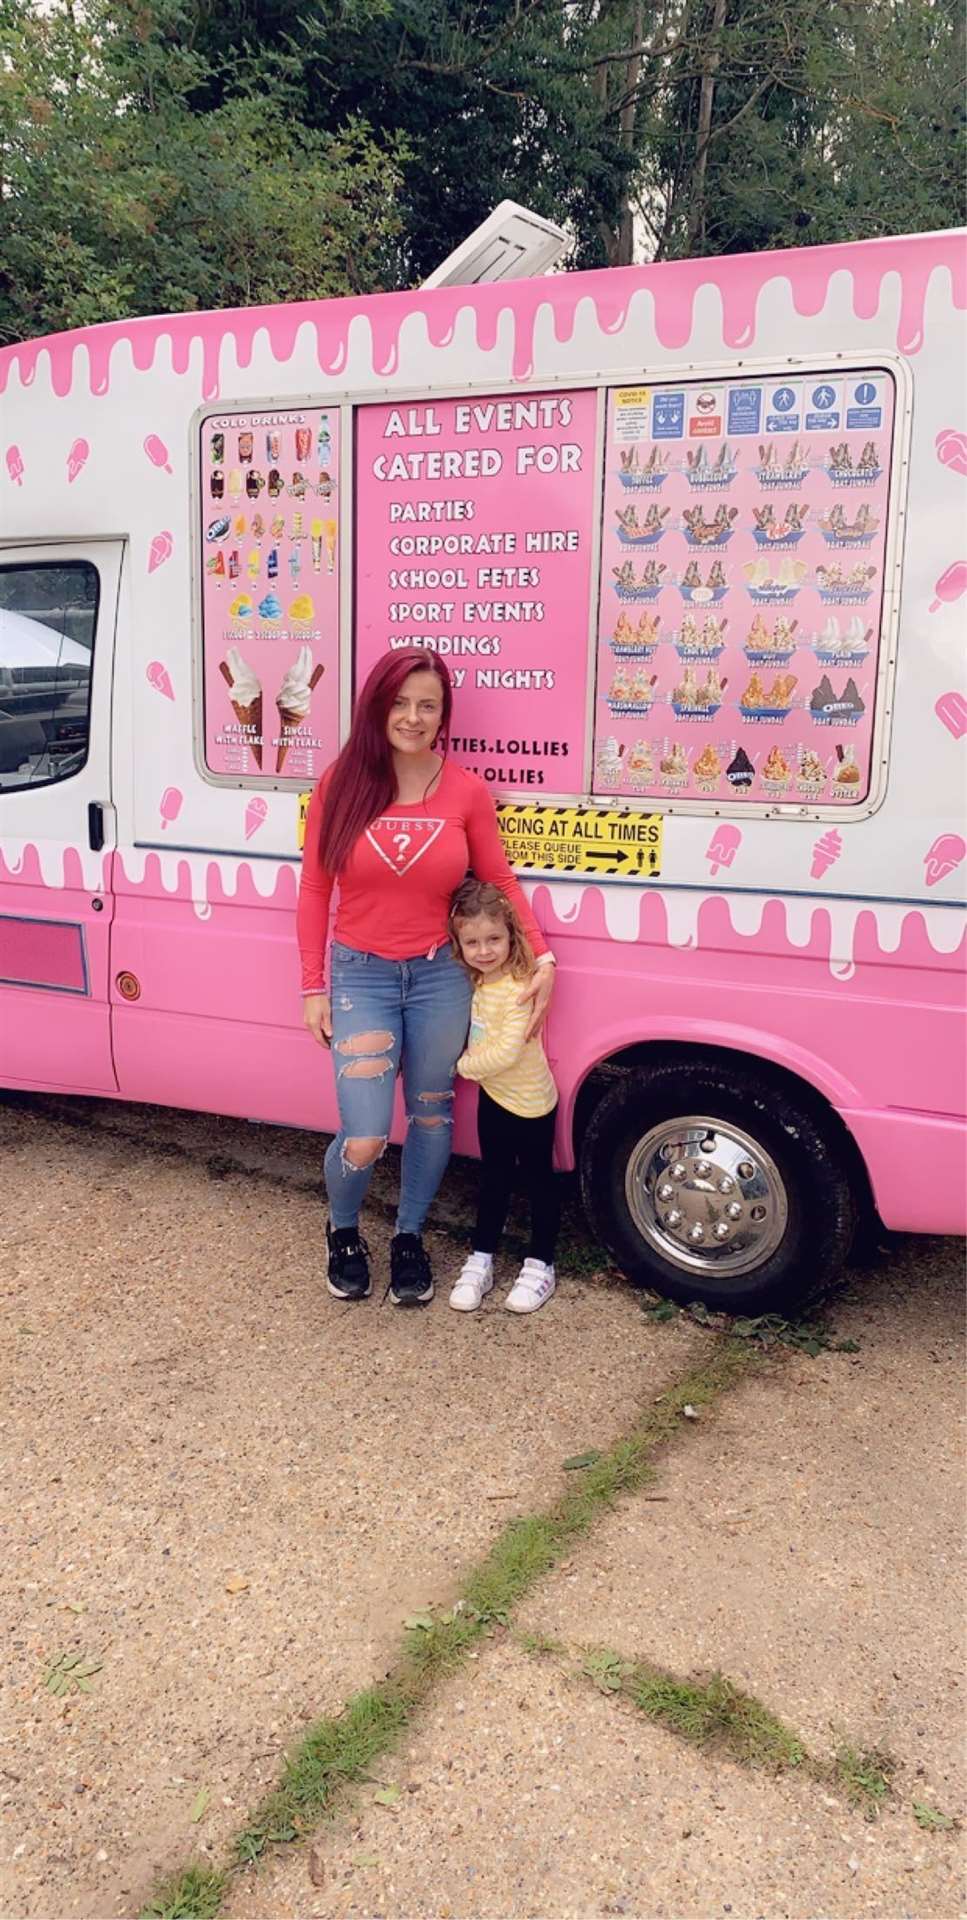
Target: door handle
(95,826)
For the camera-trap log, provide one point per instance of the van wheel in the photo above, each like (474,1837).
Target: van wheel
(713,1183)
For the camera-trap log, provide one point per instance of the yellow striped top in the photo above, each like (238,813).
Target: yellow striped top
(513,1071)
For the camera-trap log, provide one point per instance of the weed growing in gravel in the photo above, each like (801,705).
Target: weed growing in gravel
(932,1820)
(811,1335)
(864,1773)
(339,1750)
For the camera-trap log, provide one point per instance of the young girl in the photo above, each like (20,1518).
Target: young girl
(518,1098)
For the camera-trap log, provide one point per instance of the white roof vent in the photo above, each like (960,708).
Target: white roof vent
(511,244)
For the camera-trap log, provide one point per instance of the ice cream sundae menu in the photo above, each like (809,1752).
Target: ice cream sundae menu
(742,588)
(270,592)
(473,539)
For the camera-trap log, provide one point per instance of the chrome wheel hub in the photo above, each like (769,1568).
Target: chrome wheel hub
(706,1196)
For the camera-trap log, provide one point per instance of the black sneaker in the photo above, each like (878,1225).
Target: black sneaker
(411,1278)
(348,1264)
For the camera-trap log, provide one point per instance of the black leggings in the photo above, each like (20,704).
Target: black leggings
(509,1145)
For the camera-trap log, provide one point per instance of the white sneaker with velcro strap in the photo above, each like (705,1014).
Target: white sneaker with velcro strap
(532,1288)
(474,1282)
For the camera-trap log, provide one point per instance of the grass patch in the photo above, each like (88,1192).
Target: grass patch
(715,1714)
(195,1894)
(865,1775)
(337,1752)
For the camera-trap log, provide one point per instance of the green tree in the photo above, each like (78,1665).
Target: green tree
(118,196)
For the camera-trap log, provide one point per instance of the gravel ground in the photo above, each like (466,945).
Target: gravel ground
(231,1489)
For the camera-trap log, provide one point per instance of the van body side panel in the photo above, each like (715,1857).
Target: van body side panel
(837,955)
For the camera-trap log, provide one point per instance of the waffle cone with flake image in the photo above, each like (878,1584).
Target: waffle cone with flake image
(245,692)
(292,701)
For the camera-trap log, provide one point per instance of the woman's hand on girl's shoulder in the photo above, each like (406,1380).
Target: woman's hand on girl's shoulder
(317,1016)
(539,990)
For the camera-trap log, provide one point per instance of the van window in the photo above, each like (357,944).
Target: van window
(48,618)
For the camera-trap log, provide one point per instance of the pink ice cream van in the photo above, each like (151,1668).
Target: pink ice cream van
(692,540)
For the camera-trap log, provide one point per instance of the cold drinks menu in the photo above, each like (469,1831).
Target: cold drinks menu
(270,592)
(473,539)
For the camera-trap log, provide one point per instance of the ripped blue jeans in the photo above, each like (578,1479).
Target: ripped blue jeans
(388,1016)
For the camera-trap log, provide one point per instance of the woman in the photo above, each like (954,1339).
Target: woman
(396,825)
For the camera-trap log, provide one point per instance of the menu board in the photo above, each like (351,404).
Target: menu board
(473,540)
(742,587)
(270,593)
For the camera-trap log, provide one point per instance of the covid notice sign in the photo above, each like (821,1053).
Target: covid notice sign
(474,541)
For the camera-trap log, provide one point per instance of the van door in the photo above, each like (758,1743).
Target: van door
(58,612)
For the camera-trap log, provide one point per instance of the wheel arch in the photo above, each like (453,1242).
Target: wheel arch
(808,1080)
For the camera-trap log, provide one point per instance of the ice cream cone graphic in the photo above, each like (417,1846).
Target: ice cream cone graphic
(245,692)
(827,849)
(292,701)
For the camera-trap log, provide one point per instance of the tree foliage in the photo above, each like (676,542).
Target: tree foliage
(163,154)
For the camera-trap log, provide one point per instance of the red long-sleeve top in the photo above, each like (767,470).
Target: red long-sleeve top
(396,887)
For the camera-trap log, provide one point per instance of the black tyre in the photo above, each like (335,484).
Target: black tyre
(709,1181)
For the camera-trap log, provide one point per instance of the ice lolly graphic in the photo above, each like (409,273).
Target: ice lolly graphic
(827,849)
(951,449)
(943,857)
(951,584)
(160,550)
(77,458)
(951,710)
(255,814)
(254,563)
(329,529)
(235,484)
(295,562)
(245,693)
(157,452)
(723,847)
(293,700)
(234,564)
(216,566)
(258,527)
(15,466)
(170,804)
(159,678)
(316,531)
(239,527)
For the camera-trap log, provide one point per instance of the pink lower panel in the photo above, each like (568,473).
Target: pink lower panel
(274,1074)
(917,1163)
(54,1040)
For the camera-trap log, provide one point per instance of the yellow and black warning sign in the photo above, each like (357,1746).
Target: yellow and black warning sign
(592,840)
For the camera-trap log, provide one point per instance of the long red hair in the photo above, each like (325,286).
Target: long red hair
(362,782)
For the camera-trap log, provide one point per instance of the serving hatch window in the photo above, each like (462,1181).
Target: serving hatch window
(742,588)
(48,618)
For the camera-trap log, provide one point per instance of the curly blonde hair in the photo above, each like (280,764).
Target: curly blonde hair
(474,897)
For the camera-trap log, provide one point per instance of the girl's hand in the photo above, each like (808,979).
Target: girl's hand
(540,990)
(317,1015)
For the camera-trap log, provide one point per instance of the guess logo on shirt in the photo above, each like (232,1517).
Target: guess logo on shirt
(399,839)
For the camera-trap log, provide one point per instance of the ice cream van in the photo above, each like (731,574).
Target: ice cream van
(691,538)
